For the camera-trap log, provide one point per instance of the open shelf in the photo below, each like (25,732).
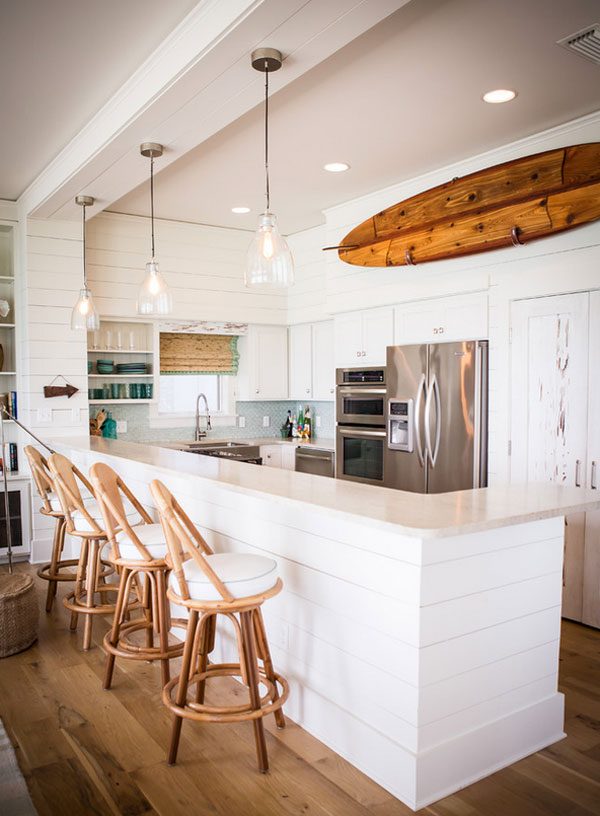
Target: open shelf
(119,376)
(119,351)
(7,325)
(8,373)
(120,401)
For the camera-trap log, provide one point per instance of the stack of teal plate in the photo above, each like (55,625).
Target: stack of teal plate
(132,368)
(105,366)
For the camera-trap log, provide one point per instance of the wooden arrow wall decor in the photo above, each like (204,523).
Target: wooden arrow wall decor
(511,203)
(60,390)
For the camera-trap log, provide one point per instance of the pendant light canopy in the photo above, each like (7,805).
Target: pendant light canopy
(84,314)
(270,263)
(154,297)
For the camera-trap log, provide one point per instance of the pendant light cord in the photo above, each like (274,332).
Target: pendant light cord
(268,192)
(83,236)
(152,201)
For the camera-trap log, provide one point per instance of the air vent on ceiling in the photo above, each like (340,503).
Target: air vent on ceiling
(586,43)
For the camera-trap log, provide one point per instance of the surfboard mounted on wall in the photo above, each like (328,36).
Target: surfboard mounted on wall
(511,203)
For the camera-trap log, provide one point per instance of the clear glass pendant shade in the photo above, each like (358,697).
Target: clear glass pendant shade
(270,263)
(154,297)
(84,314)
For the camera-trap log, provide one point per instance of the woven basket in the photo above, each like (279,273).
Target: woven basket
(18,613)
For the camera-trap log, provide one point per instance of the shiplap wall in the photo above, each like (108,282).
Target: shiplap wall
(50,279)
(204,266)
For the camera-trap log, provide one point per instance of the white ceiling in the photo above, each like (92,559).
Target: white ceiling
(60,61)
(391,86)
(399,100)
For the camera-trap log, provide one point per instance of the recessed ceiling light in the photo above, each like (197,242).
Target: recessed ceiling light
(336,167)
(240,210)
(498,96)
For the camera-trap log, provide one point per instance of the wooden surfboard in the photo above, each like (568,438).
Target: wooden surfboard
(511,203)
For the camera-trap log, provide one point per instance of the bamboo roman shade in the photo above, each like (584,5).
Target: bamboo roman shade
(198,353)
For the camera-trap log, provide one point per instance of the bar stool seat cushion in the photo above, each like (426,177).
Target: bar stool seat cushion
(82,525)
(55,502)
(243,574)
(151,536)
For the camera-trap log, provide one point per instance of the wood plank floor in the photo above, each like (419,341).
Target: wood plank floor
(85,751)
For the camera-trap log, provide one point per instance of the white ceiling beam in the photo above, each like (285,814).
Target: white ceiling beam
(196,83)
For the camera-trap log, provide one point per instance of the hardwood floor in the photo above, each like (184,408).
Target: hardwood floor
(88,751)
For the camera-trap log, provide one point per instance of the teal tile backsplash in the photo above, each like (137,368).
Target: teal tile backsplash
(138,425)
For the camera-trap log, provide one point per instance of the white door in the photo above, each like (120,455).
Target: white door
(591,556)
(378,334)
(323,367)
(300,362)
(348,340)
(549,379)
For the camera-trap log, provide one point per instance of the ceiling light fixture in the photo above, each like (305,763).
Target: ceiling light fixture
(240,210)
(498,96)
(270,263)
(84,314)
(154,297)
(336,167)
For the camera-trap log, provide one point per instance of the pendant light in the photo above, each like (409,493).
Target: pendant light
(270,263)
(84,314)
(154,297)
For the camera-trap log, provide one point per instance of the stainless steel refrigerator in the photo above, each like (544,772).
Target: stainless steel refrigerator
(436,417)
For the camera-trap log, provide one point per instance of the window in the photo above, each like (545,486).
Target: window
(179,392)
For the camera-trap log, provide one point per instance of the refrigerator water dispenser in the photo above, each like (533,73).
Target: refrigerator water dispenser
(400,425)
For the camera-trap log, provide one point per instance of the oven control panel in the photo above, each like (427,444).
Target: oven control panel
(401,425)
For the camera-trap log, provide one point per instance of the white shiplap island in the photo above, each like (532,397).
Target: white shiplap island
(419,633)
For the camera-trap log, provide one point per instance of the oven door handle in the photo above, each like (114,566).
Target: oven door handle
(417,419)
(360,433)
(360,390)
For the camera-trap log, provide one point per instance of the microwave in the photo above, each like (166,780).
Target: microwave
(360,396)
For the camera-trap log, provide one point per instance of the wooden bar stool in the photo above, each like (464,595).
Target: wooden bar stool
(57,569)
(84,521)
(138,553)
(207,584)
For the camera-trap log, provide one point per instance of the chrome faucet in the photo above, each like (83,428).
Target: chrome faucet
(200,434)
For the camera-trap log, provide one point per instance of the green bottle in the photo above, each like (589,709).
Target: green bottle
(109,428)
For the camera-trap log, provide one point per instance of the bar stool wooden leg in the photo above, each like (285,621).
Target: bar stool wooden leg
(57,547)
(147,610)
(79,581)
(114,633)
(91,586)
(163,624)
(182,687)
(249,657)
(262,645)
(204,640)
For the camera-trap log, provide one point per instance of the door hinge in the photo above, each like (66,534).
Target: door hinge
(509,447)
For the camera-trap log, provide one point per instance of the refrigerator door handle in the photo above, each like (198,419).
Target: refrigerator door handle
(435,389)
(420,452)
(428,453)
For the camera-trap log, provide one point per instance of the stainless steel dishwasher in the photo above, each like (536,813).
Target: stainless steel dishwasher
(319,462)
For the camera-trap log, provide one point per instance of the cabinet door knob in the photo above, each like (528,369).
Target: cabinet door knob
(364,354)
(593,484)
(578,473)
(308,390)
(257,390)
(358,353)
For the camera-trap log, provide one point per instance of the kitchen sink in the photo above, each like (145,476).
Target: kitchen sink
(213,445)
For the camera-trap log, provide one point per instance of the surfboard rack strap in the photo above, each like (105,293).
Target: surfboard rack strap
(515,237)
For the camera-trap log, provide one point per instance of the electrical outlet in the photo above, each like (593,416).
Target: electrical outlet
(266,421)
(121,426)
(241,422)
(44,414)
(318,421)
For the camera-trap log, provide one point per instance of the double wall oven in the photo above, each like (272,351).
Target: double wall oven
(360,424)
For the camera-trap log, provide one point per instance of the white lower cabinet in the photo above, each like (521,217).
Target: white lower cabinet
(282,455)
(263,366)
(361,338)
(442,320)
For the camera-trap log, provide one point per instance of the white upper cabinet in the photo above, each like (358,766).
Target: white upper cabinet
(300,338)
(323,366)
(361,338)
(312,372)
(441,320)
(263,366)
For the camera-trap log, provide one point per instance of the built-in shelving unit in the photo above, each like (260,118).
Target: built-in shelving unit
(124,341)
